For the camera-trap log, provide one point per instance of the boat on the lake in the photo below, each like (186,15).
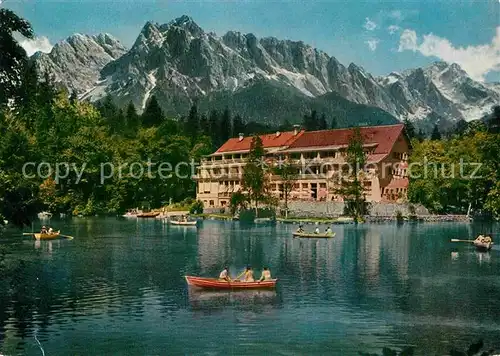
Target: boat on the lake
(182,223)
(483,243)
(313,235)
(151,214)
(44,215)
(47,236)
(214,283)
(132,213)
(264,220)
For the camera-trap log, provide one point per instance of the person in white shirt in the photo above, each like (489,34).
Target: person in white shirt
(316,231)
(266,275)
(224,275)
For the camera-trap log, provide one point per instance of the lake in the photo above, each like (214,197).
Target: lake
(118,288)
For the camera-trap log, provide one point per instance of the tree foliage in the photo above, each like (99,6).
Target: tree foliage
(288,176)
(449,175)
(254,175)
(351,186)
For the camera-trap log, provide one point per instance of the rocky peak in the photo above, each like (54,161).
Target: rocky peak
(188,24)
(75,62)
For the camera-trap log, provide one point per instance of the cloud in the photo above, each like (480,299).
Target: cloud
(372,44)
(37,44)
(477,61)
(393,29)
(369,24)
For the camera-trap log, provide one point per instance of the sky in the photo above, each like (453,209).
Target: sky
(382,36)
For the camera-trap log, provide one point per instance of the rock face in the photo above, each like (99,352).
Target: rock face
(262,79)
(443,90)
(76,62)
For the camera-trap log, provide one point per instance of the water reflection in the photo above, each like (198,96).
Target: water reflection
(379,284)
(205,299)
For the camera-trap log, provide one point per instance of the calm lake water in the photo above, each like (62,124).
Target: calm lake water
(118,288)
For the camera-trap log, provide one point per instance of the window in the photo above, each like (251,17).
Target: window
(305,185)
(211,203)
(223,203)
(322,185)
(296,186)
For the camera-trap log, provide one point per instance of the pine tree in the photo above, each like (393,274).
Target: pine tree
(224,127)
(322,125)
(334,123)
(310,122)
(351,186)
(410,129)
(108,110)
(132,117)
(254,176)
(436,135)
(153,114)
(204,125)
(238,126)
(192,123)
(213,123)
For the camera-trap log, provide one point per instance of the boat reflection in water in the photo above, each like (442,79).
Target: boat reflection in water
(202,299)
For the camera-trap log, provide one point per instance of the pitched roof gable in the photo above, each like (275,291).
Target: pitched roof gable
(268,141)
(383,136)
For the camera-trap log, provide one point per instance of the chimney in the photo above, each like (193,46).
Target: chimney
(278,133)
(296,129)
(241,136)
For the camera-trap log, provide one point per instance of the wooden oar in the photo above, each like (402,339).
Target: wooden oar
(28,233)
(457,240)
(67,237)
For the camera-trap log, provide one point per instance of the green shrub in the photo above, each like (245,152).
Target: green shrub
(196,207)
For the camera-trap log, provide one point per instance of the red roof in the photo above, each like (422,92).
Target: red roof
(268,141)
(398,183)
(384,136)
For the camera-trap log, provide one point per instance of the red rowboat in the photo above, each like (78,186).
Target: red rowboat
(214,283)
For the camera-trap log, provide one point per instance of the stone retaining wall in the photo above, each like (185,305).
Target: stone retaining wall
(334,209)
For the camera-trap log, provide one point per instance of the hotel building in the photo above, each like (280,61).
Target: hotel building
(319,157)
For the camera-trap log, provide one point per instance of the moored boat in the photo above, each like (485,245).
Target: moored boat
(148,215)
(132,213)
(214,283)
(47,236)
(182,223)
(313,235)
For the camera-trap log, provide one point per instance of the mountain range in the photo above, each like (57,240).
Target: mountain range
(266,80)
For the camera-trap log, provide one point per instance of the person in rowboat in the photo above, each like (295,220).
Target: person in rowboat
(247,275)
(316,231)
(300,229)
(51,230)
(44,230)
(266,275)
(328,230)
(224,275)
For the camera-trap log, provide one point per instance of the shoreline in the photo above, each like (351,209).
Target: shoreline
(348,220)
